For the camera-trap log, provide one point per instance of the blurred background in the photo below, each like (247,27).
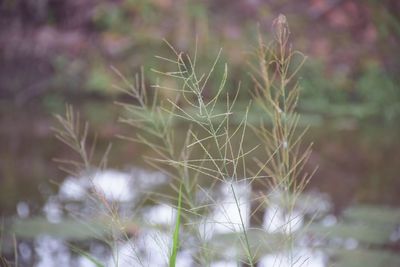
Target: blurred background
(54,52)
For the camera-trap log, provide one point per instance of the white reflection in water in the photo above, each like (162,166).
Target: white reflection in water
(395,235)
(151,246)
(85,262)
(185,258)
(277,220)
(73,189)
(53,210)
(25,251)
(329,220)
(23,209)
(52,252)
(160,214)
(350,243)
(226,216)
(114,185)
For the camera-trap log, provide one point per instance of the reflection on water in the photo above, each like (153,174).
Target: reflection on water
(328,240)
(112,184)
(23,209)
(301,257)
(225,217)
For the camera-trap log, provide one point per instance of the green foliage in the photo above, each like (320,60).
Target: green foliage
(111,17)
(99,79)
(380,94)
(373,96)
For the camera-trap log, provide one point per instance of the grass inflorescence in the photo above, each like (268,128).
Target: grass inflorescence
(214,152)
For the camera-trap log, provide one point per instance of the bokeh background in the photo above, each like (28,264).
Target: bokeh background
(54,52)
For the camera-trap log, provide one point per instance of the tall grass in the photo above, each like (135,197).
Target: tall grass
(213,151)
(175,240)
(219,158)
(277,93)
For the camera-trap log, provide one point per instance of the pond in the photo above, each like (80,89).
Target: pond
(122,214)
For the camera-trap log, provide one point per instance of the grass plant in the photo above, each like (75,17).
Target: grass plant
(213,151)
(277,93)
(175,241)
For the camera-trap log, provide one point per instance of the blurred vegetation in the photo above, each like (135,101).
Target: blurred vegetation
(53,52)
(352,45)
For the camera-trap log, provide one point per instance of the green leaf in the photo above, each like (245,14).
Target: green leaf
(175,244)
